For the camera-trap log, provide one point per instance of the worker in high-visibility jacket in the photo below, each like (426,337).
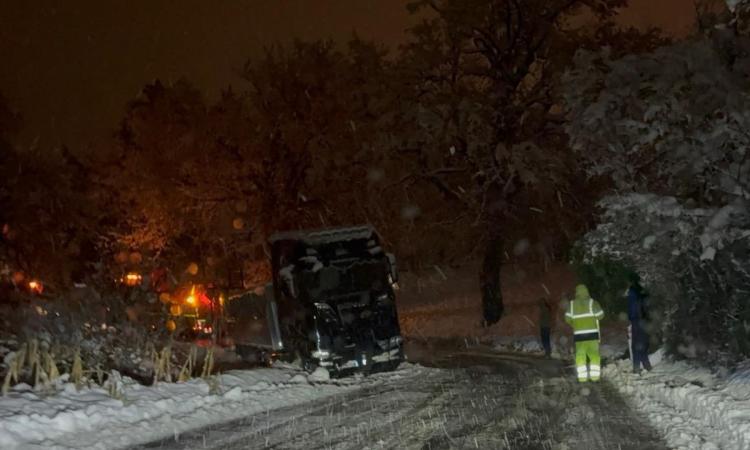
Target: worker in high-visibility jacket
(584,314)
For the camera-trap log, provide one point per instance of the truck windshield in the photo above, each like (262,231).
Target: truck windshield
(344,277)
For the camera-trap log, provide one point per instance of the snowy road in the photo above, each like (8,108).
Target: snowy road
(475,399)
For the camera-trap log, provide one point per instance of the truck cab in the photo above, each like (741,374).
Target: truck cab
(333,300)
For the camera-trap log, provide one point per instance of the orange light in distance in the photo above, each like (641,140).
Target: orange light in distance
(191,299)
(133,279)
(36,286)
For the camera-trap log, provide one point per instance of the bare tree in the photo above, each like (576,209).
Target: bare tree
(482,78)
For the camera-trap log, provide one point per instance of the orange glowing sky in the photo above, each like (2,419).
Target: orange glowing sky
(70,67)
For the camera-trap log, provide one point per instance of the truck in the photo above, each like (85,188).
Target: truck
(331,303)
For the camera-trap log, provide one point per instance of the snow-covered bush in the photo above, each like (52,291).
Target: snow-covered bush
(101,326)
(695,264)
(606,280)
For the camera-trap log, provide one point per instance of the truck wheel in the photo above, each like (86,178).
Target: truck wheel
(245,353)
(309,365)
(263,358)
(288,357)
(392,365)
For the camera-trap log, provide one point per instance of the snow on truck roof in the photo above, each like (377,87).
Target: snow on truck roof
(325,236)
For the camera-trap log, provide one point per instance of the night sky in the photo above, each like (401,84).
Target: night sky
(70,70)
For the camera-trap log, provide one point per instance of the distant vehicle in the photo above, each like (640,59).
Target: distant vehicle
(331,303)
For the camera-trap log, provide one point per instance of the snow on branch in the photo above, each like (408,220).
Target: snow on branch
(675,121)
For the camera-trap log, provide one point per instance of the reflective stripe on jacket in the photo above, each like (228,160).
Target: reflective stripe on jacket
(584,314)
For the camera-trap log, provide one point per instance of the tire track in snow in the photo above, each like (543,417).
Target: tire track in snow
(473,399)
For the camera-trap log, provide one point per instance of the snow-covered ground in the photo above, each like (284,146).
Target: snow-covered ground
(691,407)
(446,302)
(93,418)
(613,346)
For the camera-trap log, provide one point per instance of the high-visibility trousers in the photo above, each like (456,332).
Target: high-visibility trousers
(588,350)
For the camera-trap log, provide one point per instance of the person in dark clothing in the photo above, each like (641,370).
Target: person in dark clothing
(545,325)
(637,314)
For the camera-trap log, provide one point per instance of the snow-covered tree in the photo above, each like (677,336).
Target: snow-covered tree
(669,129)
(673,121)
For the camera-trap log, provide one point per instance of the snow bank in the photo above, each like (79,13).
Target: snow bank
(92,418)
(525,344)
(614,344)
(693,408)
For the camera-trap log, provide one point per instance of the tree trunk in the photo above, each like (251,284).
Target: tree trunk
(489,279)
